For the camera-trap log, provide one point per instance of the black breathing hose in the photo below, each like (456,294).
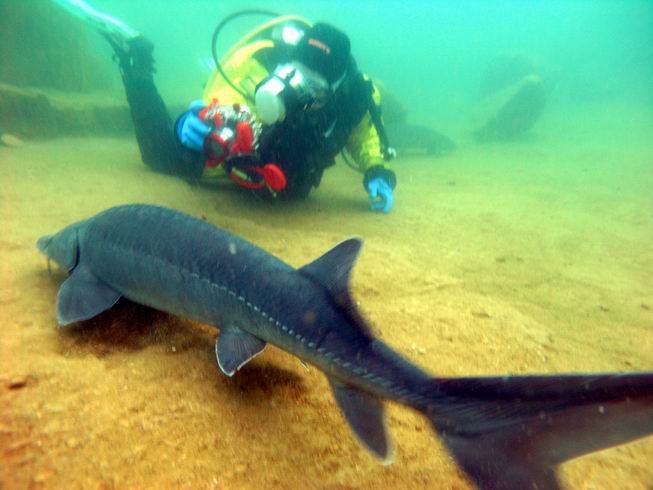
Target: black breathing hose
(374,111)
(214,51)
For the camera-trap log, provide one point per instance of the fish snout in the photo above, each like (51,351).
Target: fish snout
(62,247)
(43,243)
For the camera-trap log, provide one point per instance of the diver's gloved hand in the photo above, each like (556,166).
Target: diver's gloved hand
(380,194)
(190,129)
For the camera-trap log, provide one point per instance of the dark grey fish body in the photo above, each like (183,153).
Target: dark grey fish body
(193,269)
(173,262)
(202,272)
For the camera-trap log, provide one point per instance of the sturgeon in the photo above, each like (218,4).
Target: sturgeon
(505,432)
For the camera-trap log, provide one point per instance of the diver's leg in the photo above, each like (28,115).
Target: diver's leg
(153,126)
(152,122)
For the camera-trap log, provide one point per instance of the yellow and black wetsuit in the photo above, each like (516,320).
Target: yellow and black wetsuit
(303,146)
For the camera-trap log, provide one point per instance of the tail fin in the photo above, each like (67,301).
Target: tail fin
(510,432)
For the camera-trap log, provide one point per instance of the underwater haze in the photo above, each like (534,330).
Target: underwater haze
(520,241)
(432,54)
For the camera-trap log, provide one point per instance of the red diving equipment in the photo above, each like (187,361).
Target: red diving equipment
(233,136)
(270,174)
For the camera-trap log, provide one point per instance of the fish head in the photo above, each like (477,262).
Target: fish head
(62,247)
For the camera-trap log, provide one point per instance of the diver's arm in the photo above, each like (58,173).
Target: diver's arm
(379,180)
(364,147)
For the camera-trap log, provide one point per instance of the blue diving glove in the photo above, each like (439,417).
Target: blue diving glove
(380,195)
(191,130)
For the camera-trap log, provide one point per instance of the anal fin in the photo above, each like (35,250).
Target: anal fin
(364,413)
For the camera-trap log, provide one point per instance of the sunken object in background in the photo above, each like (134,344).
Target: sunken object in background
(409,138)
(53,81)
(512,98)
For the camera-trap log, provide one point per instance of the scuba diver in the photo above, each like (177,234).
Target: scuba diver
(282,104)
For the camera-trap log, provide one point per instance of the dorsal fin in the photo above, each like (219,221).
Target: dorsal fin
(332,270)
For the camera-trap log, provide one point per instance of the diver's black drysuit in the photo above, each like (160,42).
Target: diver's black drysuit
(153,125)
(303,145)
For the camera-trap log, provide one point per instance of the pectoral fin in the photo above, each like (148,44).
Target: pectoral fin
(364,413)
(234,348)
(83,296)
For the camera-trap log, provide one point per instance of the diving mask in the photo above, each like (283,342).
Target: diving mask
(290,86)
